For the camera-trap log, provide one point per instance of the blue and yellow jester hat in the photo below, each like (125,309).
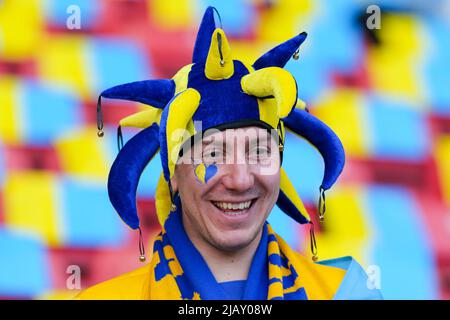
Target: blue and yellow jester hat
(221,93)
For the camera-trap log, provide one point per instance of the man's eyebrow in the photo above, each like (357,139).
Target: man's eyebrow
(213,141)
(207,142)
(260,140)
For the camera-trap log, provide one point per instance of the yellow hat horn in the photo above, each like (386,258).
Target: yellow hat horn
(272,81)
(219,64)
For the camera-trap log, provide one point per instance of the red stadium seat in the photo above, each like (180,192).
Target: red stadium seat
(25,68)
(147,213)
(358,78)
(99,264)
(439,124)
(416,175)
(114,111)
(123,17)
(22,157)
(170,50)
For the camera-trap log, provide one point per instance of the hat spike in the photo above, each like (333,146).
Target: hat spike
(156,93)
(324,139)
(272,82)
(289,201)
(206,29)
(126,170)
(280,55)
(174,122)
(142,119)
(219,64)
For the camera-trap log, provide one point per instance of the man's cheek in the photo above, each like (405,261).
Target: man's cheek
(203,173)
(268,168)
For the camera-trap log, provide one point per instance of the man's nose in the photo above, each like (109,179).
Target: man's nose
(238,177)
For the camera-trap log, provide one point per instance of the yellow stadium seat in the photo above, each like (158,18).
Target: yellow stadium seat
(31,205)
(171,14)
(344,111)
(346,229)
(443,162)
(83,154)
(64,61)
(9,109)
(393,66)
(21,28)
(282,20)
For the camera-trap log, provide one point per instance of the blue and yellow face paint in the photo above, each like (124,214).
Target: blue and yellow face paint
(205,173)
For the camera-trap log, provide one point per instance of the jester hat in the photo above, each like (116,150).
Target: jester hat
(222,93)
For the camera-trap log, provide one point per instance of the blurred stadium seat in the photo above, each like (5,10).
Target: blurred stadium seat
(24,267)
(401,245)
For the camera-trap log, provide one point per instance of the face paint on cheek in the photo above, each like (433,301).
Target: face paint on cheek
(211,171)
(204,173)
(200,171)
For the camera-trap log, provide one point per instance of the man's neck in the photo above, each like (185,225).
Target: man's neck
(226,265)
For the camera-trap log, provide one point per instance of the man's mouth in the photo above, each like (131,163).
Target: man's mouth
(233,208)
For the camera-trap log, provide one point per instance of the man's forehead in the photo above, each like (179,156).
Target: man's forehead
(233,135)
(230,138)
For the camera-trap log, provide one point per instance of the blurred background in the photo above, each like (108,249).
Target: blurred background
(385,91)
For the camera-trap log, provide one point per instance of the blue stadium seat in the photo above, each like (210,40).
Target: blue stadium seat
(89,218)
(287,228)
(396,130)
(335,37)
(304,166)
(437,66)
(238,16)
(401,247)
(47,112)
(56,12)
(116,61)
(311,74)
(24,269)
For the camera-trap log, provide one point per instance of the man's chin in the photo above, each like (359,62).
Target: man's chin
(235,240)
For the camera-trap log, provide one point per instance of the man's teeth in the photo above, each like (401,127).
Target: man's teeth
(233,206)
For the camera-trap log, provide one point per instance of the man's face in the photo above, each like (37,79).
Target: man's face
(228,184)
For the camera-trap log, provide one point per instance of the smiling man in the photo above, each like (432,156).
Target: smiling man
(224,218)
(219,125)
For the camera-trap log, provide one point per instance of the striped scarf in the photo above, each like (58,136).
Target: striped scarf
(178,271)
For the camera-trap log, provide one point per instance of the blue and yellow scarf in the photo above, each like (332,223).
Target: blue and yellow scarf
(178,270)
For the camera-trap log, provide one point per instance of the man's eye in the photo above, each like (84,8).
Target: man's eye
(262,151)
(214,154)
